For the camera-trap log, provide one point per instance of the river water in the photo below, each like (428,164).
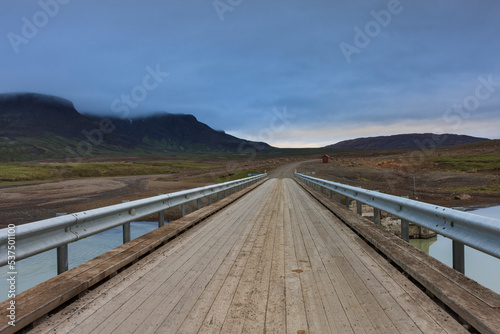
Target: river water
(481,267)
(36,269)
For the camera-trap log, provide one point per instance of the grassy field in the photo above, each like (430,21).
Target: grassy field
(488,189)
(464,163)
(486,164)
(237,175)
(18,173)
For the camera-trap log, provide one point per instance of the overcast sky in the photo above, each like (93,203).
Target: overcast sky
(293,73)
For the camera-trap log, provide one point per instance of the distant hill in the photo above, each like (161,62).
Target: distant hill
(406,141)
(36,126)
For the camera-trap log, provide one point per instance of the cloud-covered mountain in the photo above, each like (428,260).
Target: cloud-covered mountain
(35,126)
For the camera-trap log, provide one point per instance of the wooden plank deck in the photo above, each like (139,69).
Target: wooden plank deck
(275,261)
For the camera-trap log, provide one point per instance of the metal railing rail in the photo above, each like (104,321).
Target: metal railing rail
(478,232)
(40,236)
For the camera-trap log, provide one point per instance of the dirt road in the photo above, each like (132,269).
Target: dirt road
(24,204)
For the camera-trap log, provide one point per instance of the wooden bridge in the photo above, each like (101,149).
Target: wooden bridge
(277,261)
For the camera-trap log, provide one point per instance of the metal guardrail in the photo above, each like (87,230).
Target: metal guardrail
(481,233)
(37,237)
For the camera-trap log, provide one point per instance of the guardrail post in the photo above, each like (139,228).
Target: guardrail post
(359,208)
(209,199)
(126,229)
(458,256)
(338,198)
(405,230)
(347,202)
(198,204)
(376,216)
(62,259)
(62,255)
(183,210)
(218,196)
(126,232)
(161,218)
(331,194)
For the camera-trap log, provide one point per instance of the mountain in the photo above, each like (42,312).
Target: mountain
(405,141)
(35,126)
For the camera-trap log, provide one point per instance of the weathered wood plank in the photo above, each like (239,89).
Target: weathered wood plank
(214,320)
(239,309)
(320,257)
(144,299)
(170,317)
(296,318)
(160,281)
(194,320)
(275,312)
(356,315)
(316,316)
(172,321)
(387,315)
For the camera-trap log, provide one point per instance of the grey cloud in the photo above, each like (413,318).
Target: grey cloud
(263,55)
